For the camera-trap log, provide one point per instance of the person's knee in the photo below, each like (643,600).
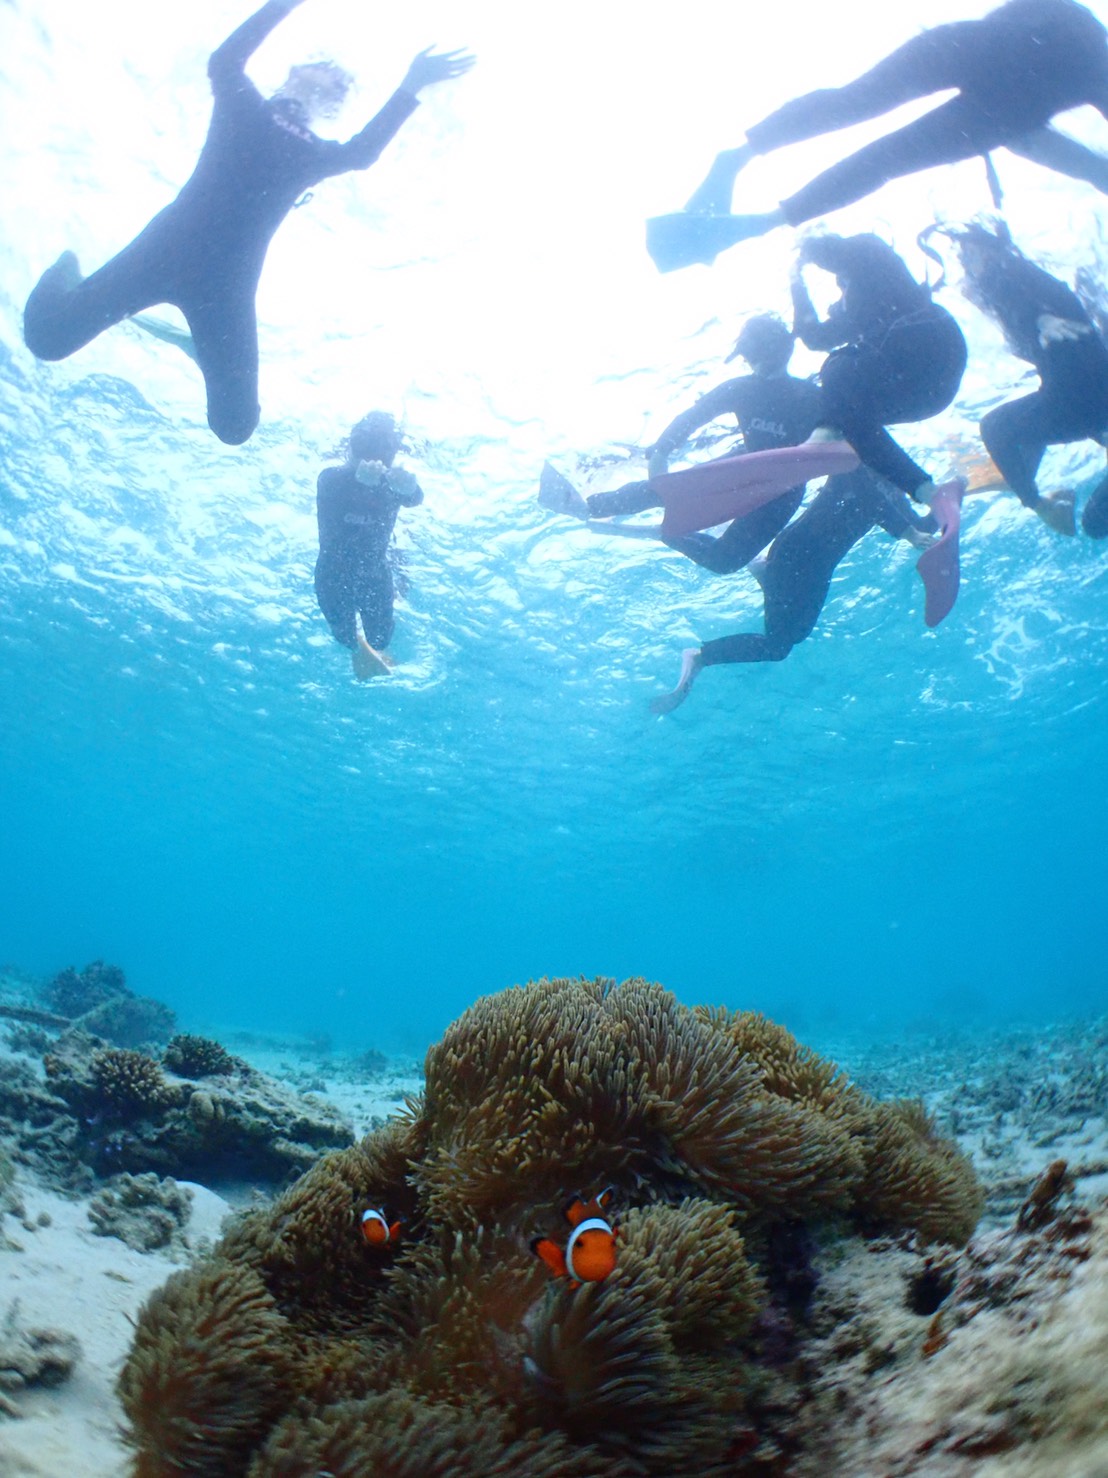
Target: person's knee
(778,648)
(234,424)
(48,328)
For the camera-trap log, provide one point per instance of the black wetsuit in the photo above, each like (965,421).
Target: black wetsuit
(803,558)
(352,573)
(1071,403)
(772,411)
(204,252)
(903,359)
(1014,70)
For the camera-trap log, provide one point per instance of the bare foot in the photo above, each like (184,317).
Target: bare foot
(691,664)
(1057,511)
(367,662)
(757,568)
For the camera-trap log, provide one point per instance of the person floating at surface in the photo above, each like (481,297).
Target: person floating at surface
(796,575)
(204,252)
(356,507)
(772,408)
(1045,323)
(1013,70)
(897,355)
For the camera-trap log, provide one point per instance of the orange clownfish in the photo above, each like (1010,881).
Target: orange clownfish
(376,1228)
(590,1253)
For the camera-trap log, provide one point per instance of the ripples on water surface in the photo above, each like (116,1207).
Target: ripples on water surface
(892,825)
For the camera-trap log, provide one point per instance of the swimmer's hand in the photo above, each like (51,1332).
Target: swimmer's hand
(371,474)
(919,538)
(402,482)
(1053,330)
(429,67)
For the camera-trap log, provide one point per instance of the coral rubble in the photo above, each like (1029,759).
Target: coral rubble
(143,1211)
(32,1357)
(298,1348)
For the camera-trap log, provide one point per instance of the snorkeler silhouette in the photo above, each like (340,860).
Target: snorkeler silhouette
(356,506)
(1044,323)
(796,574)
(1013,70)
(204,252)
(773,409)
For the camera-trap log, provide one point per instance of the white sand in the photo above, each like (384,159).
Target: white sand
(70,1279)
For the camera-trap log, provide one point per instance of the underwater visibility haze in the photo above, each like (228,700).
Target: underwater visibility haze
(895,827)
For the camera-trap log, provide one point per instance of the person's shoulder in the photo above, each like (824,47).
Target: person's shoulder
(804,387)
(733,389)
(330,479)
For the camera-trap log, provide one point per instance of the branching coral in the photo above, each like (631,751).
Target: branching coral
(197,1057)
(129,1084)
(71,993)
(452,1350)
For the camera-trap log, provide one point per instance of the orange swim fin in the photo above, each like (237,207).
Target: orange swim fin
(716,492)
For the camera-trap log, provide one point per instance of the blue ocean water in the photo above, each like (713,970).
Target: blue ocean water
(893,829)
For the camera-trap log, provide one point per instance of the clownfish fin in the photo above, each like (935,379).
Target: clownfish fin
(580,1210)
(552,1255)
(574,1210)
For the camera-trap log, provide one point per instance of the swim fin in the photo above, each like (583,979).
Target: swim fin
(558,494)
(686,238)
(939,566)
(717,492)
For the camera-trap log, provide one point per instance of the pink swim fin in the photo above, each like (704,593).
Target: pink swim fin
(716,492)
(939,566)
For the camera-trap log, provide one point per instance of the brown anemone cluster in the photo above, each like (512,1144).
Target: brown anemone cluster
(299,1348)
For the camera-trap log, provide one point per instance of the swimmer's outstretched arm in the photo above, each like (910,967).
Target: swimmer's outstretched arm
(429,67)
(226,64)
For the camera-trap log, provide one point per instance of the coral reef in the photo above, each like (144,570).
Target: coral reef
(198,1057)
(71,992)
(40,1130)
(297,1347)
(143,1211)
(130,1021)
(98,999)
(130,1114)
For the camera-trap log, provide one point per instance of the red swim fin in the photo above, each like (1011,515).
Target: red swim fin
(716,492)
(939,566)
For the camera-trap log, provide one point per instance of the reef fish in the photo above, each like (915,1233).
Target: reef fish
(590,1253)
(377,1229)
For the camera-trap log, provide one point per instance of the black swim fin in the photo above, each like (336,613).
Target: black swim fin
(558,495)
(684,238)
